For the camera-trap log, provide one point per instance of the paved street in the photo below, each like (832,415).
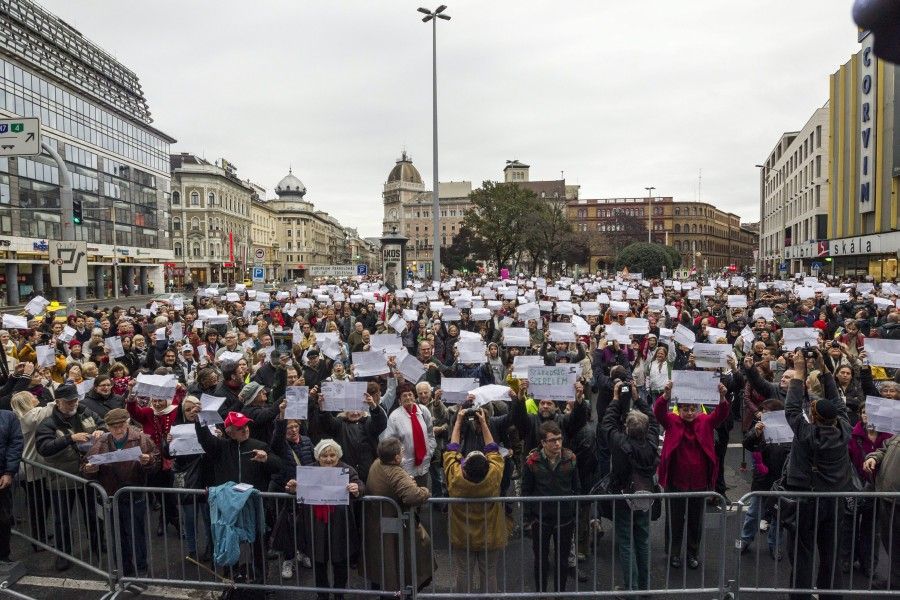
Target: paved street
(757,569)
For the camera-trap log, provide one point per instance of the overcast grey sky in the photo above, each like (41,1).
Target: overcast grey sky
(618,95)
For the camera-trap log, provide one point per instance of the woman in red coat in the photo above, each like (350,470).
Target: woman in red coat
(156,420)
(688,464)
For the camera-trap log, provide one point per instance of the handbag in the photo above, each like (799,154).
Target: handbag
(602,508)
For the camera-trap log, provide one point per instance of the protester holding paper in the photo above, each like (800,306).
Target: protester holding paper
(190,471)
(132,508)
(330,532)
(819,462)
(356,431)
(688,463)
(768,463)
(413,425)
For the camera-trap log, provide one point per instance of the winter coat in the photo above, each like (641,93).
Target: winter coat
(291,455)
(774,457)
(628,454)
(100,404)
(819,457)
(861,446)
(156,426)
(235,519)
(11,443)
(340,531)
(29,423)
(118,475)
(539,478)
(704,426)
(358,440)
(476,526)
(381,560)
(230,460)
(53,440)
(887,475)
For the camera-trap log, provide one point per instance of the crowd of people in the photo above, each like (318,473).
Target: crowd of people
(71,389)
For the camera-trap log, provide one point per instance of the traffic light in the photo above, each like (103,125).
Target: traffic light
(76,212)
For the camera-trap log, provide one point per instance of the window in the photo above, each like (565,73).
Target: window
(195,199)
(177,248)
(677,227)
(176,199)
(210,199)
(196,250)
(176,224)
(818,136)
(195,223)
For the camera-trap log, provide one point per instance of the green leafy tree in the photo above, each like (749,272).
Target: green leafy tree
(645,258)
(497,218)
(674,255)
(463,253)
(547,232)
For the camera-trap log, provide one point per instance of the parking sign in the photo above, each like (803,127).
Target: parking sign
(259,274)
(362,269)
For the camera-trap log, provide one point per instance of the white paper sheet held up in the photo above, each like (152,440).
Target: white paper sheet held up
(323,485)
(883,352)
(777,430)
(184,440)
(125,455)
(344,395)
(297,398)
(695,387)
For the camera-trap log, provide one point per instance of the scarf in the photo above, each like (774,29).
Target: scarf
(322,512)
(417,434)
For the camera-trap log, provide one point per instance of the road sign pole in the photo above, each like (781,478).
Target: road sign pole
(65,208)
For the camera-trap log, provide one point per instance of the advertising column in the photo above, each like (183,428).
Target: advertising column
(393,254)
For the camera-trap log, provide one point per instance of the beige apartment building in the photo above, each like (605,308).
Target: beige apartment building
(211,221)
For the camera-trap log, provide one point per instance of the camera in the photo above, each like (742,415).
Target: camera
(810,352)
(625,393)
(835,344)
(470,414)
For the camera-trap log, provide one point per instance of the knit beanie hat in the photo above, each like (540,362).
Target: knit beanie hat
(249,392)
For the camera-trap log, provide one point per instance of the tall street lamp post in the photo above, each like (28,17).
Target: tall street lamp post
(649,211)
(433,16)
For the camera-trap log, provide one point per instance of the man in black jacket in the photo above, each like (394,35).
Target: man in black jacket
(237,457)
(632,436)
(819,462)
(62,439)
(529,425)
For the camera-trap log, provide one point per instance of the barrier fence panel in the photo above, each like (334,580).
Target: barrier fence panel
(841,542)
(357,549)
(67,515)
(526,547)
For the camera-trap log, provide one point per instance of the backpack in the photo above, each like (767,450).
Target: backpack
(641,483)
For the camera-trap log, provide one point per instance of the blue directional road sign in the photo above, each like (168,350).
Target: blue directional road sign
(259,273)
(362,269)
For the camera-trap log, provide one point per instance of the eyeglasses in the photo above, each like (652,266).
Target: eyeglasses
(553,440)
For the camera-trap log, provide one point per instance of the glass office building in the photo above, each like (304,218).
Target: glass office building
(93,111)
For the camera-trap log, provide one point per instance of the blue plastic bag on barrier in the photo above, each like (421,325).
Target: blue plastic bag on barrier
(234,521)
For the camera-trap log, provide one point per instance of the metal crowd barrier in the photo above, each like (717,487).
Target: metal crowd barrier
(821,543)
(67,515)
(441,550)
(474,565)
(354,545)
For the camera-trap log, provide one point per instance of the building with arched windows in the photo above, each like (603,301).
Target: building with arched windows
(211,222)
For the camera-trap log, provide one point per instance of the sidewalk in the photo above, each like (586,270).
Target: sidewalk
(122,300)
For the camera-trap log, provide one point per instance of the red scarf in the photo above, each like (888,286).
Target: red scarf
(322,512)
(418,434)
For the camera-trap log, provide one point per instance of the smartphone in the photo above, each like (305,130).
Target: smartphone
(773,365)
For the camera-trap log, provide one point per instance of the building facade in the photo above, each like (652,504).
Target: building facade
(710,240)
(211,222)
(794,199)
(93,112)
(707,238)
(864,174)
(305,236)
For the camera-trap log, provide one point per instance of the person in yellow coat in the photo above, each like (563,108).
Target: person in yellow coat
(478,531)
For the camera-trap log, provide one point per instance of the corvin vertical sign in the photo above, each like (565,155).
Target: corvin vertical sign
(867,115)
